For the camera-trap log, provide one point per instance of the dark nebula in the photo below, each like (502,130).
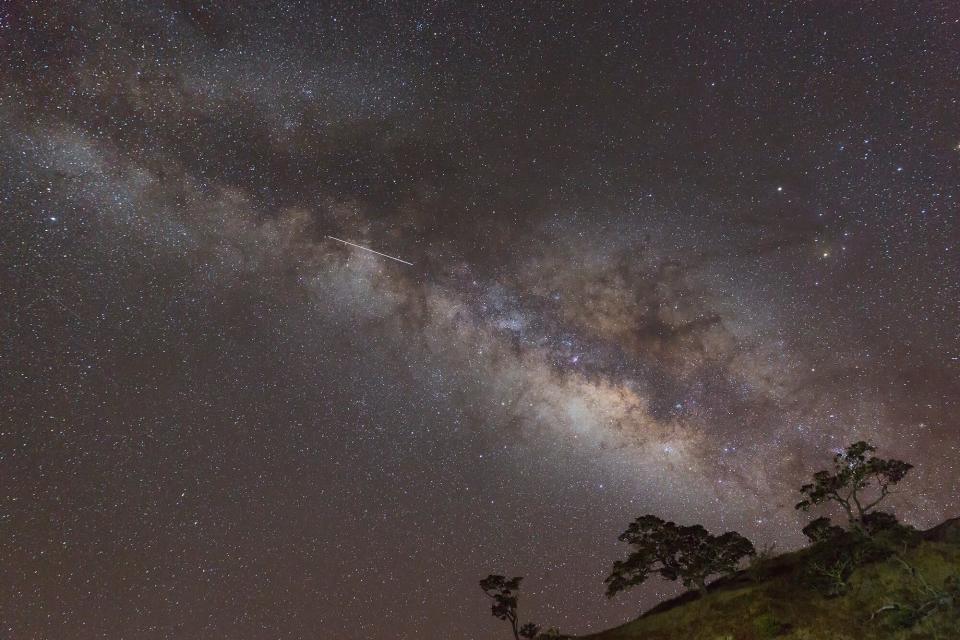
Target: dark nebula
(667,257)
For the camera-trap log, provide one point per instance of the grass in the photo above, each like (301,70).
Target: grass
(783,599)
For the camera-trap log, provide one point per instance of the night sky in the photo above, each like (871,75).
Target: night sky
(667,258)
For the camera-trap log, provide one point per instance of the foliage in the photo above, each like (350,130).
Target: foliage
(833,559)
(503,592)
(688,553)
(830,576)
(836,553)
(822,529)
(877,521)
(855,472)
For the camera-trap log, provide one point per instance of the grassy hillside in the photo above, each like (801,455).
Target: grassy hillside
(786,597)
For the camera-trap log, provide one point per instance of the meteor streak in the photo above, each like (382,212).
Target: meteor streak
(370,250)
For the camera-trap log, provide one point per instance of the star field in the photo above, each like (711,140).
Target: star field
(667,258)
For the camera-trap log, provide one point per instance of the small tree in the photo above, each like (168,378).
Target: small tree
(849,483)
(821,529)
(690,554)
(504,596)
(877,521)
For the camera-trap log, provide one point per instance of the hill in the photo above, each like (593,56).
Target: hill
(903,585)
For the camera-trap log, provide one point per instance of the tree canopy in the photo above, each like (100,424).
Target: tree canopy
(687,553)
(503,592)
(858,482)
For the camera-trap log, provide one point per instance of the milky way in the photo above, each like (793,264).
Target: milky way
(665,259)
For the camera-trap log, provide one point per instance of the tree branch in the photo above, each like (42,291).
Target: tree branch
(887,607)
(884,492)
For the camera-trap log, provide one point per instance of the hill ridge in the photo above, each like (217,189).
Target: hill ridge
(782,598)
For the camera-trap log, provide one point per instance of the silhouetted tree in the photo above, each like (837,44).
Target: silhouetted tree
(876,521)
(690,554)
(504,595)
(821,529)
(848,484)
